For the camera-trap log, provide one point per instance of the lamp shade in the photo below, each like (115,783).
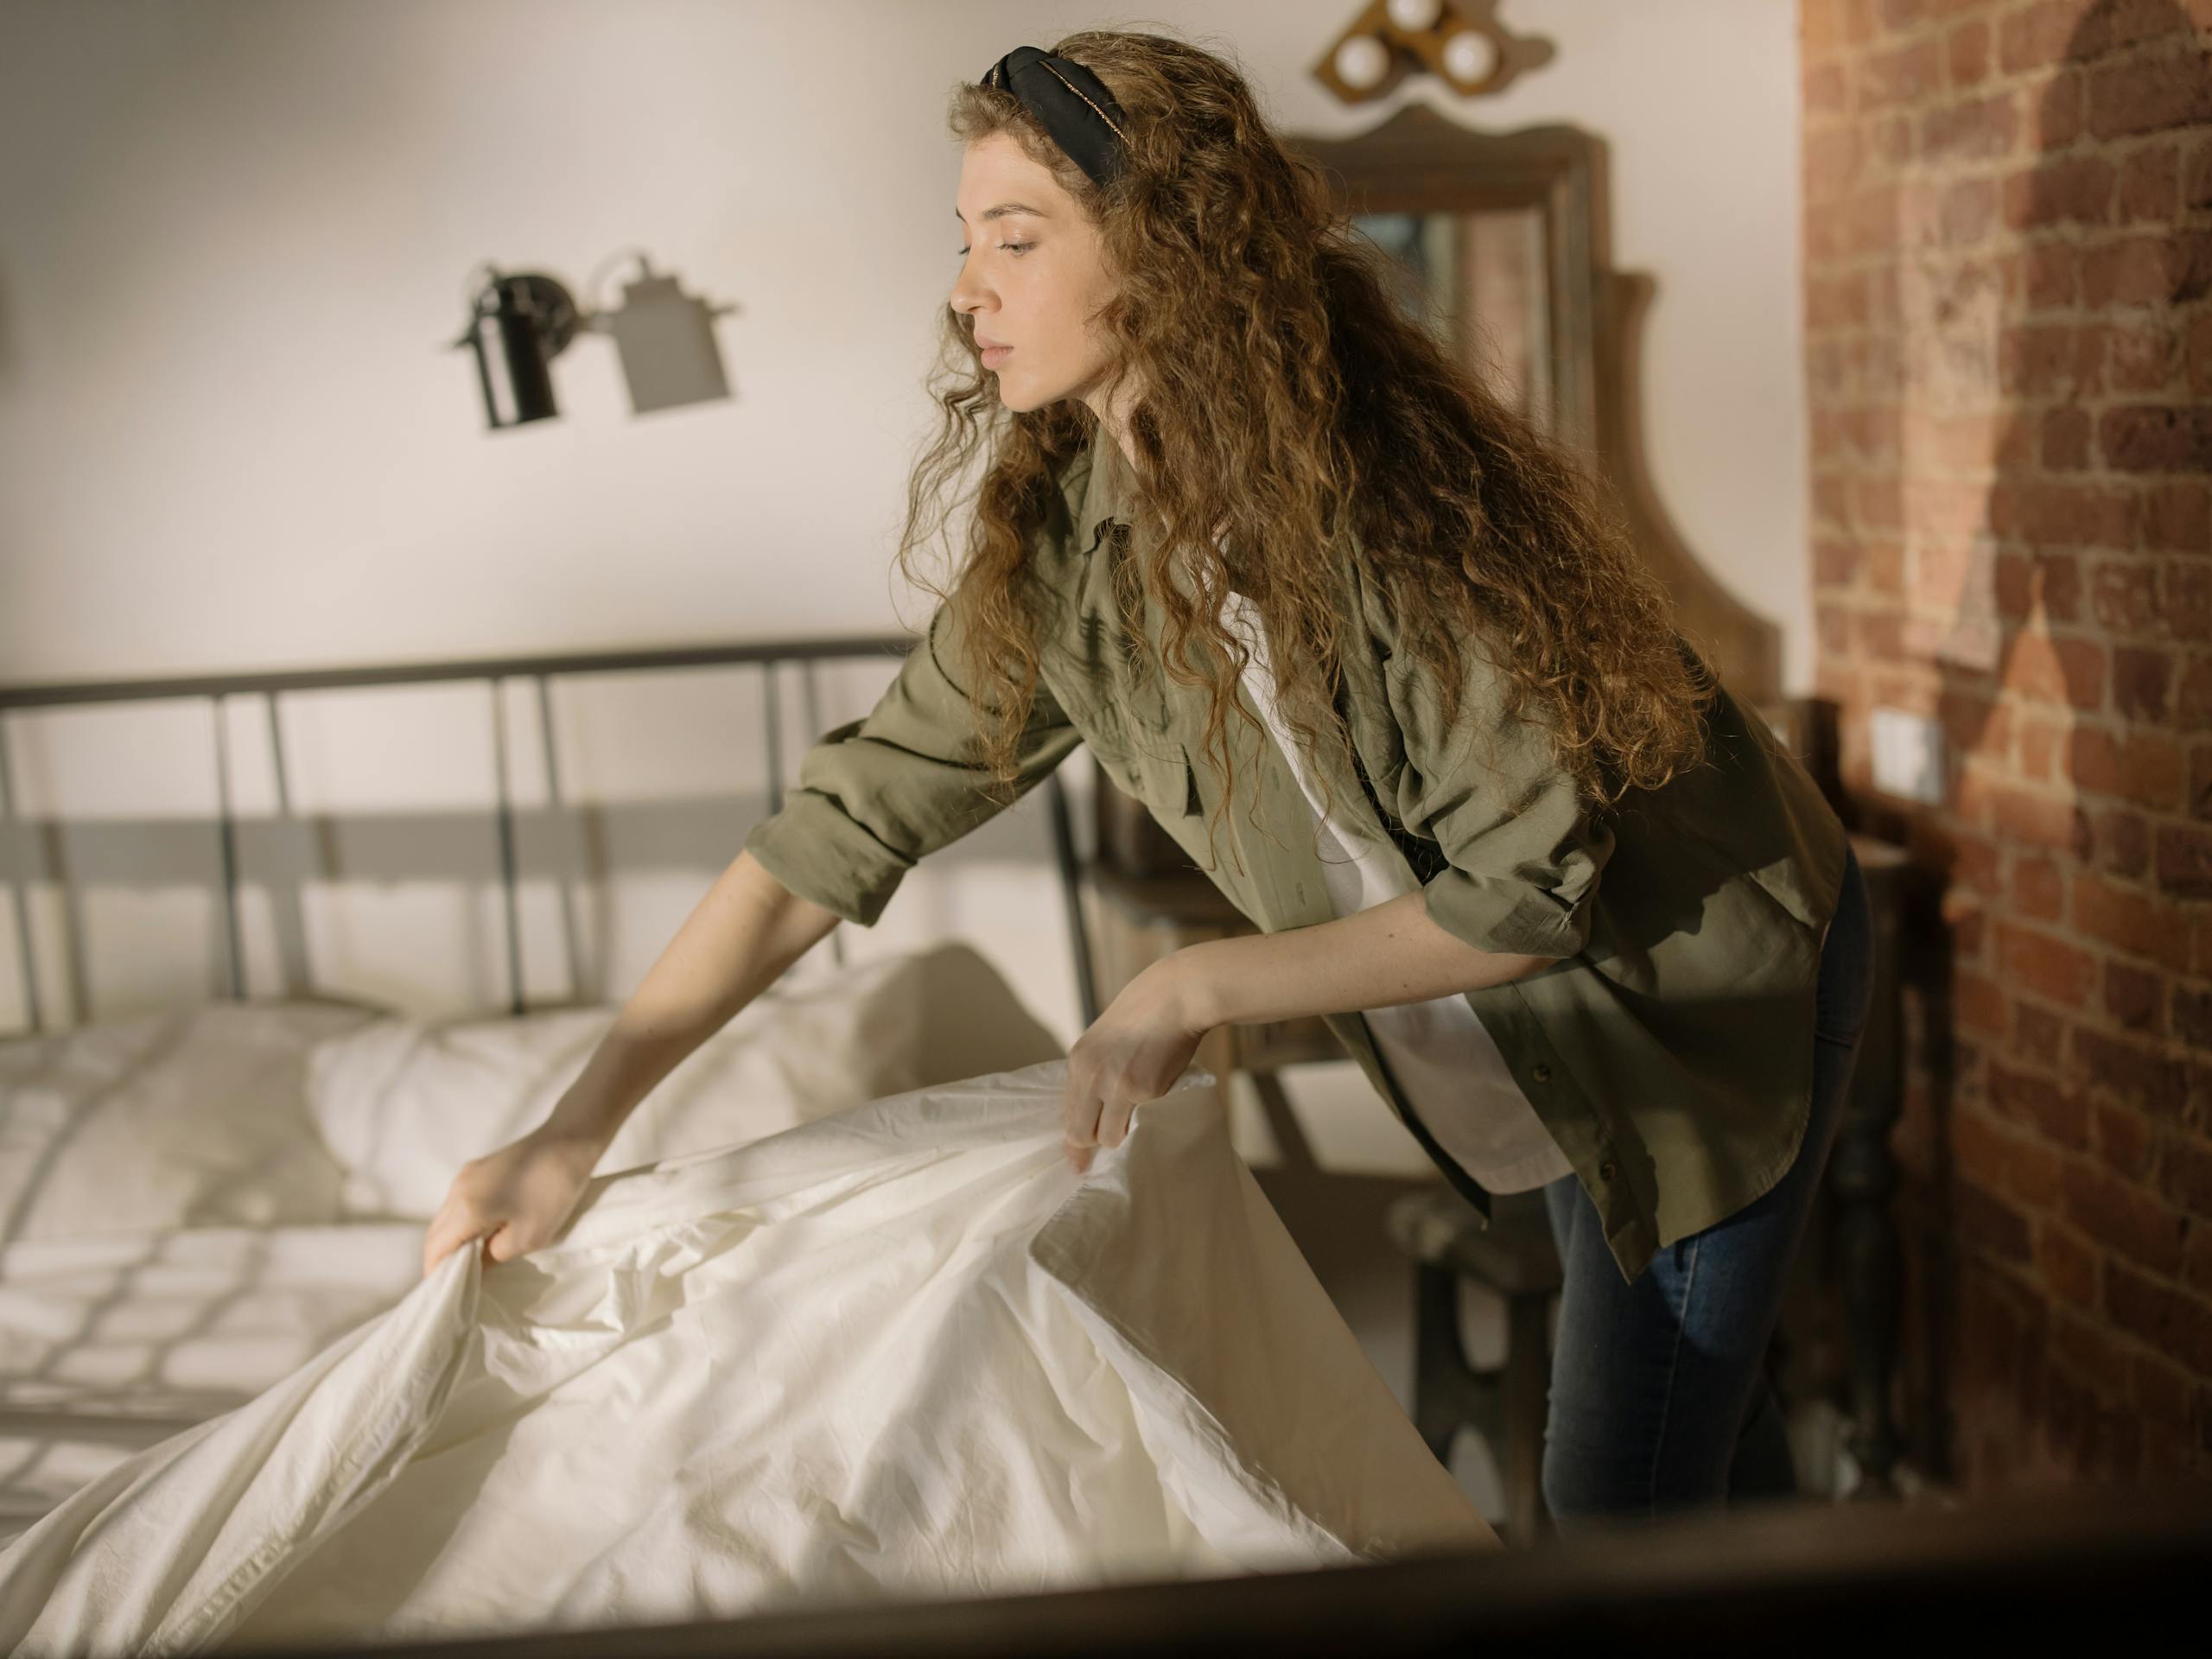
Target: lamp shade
(519,323)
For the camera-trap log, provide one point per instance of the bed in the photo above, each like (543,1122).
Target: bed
(208,1205)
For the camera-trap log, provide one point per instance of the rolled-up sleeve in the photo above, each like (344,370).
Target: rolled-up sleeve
(876,795)
(1523,842)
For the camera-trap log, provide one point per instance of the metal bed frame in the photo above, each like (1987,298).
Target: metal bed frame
(767,656)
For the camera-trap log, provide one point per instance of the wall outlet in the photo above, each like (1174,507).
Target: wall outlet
(1908,755)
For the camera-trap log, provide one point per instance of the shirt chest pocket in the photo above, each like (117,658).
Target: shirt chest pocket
(1129,725)
(1136,744)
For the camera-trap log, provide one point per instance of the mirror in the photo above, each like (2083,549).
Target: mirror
(1502,243)
(1476,281)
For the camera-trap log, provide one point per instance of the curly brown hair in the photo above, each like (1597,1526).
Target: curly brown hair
(1262,329)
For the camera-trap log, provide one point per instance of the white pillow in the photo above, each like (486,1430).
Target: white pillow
(404,1103)
(192,1118)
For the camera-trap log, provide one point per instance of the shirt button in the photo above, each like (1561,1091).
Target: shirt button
(1540,1073)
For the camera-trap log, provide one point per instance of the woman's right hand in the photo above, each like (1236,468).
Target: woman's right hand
(514,1197)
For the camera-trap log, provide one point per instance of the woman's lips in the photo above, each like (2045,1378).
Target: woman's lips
(994,355)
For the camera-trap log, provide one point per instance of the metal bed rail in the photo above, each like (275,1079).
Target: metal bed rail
(767,656)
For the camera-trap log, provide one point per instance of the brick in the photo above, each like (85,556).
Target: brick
(1978,1004)
(2050,359)
(1988,1224)
(2193,695)
(1892,141)
(2152,1082)
(2119,842)
(2161,1391)
(1832,498)
(2123,1138)
(2049,274)
(2066,671)
(1884,567)
(2038,891)
(2185,1175)
(2037,820)
(1835,563)
(2134,997)
(2056,514)
(2184,861)
(2058,111)
(2058,586)
(2065,437)
(1823,89)
(2177,517)
(2035,36)
(2142,680)
(2173,269)
(1980,129)
(1903,74)
(2047,965)
(2038,1035)
(2196,1260)
(2151,94)
(2137,359)
(2091,1351)
(1881,636)
(2130,920)
(1877,500)
(2192,1016)
(2123,594)
(2146,768)
(2188,599)
(1872,224)
(2039,742)
(2156,439)
(2125,1218)
(1820,28)
(2078,190)
(2167,1319)
(2150,182)
(2053,1110)
(2069,1266)
(1967,53)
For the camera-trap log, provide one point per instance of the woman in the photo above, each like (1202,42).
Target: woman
(1294,573)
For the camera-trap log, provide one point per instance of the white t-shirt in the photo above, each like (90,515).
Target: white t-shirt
(1445,1062)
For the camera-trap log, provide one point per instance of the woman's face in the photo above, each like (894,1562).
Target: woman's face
(1030,278)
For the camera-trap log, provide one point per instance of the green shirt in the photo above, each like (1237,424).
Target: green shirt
(1670,1053)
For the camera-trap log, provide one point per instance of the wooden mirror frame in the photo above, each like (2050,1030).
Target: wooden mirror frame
(1421,162)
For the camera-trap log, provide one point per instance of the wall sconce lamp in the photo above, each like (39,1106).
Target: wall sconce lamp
(1459,41)
(519,322)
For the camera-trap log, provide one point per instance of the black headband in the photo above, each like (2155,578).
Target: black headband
(1071,104)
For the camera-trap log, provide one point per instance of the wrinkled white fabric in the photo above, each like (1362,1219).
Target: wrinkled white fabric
(899,1351)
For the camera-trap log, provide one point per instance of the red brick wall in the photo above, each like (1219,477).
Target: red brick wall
(2008,249)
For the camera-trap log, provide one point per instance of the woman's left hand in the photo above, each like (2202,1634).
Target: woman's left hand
(1133,1052)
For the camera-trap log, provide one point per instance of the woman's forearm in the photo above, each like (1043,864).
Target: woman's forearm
(1378,957)
(735,943)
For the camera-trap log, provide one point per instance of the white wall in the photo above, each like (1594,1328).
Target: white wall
(234,237)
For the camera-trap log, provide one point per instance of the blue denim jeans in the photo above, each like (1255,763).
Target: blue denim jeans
(1659,1396)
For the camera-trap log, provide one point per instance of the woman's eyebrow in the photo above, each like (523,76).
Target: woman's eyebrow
(1002,211)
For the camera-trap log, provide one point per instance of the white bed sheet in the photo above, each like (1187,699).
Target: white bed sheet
(112,1343)
(902,1350)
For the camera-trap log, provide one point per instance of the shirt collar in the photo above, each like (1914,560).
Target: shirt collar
(1109,495)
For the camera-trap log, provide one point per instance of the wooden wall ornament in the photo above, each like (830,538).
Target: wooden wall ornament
(1459,41)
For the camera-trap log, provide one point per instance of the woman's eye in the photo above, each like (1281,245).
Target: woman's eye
(1011,247)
